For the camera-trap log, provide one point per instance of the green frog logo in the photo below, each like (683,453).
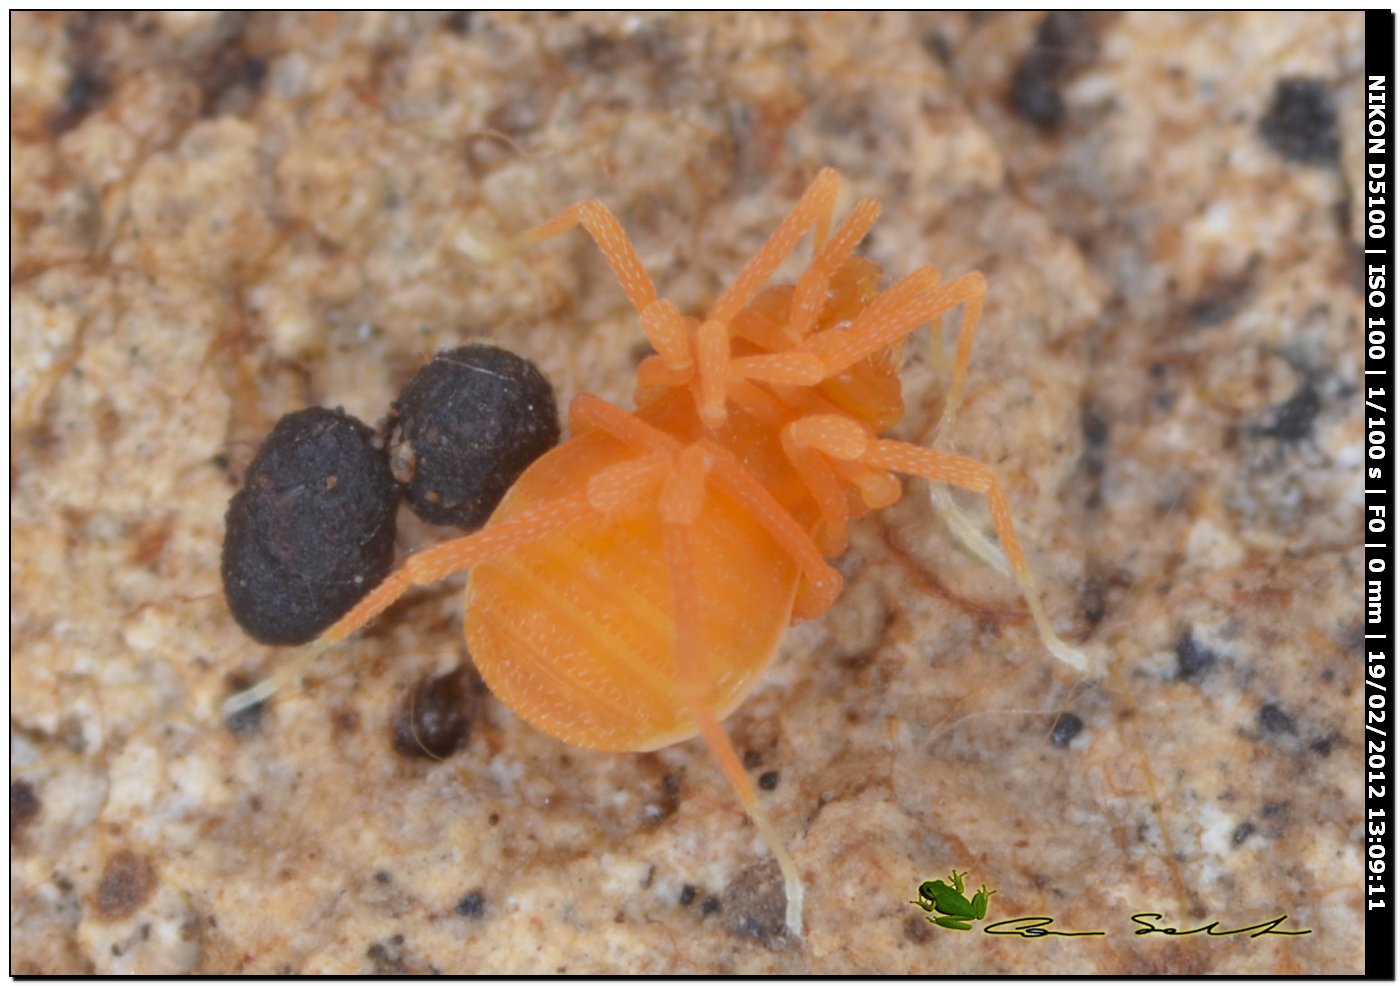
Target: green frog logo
(947,905)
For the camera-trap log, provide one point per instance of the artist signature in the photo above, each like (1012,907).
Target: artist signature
(1039,926)
(947,904)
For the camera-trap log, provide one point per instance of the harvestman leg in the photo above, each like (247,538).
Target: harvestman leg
(613,241)
(809,297)
(682,498)
(814,209)
(906,305)
(662,323)
(969,474)
(607,492)
(844,440)
(914,299)
(969,291)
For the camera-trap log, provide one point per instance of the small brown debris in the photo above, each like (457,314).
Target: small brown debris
(24,808)
(128,880)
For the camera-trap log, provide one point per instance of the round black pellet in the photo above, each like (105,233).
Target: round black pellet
(312,529)
(465,428)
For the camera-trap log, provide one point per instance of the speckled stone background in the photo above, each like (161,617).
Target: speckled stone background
(216,219)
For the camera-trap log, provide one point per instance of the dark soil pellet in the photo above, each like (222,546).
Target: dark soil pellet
(465,428)
(434,719)
(1067,727)
(312,529)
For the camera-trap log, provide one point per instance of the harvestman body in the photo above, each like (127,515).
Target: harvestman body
(636,581)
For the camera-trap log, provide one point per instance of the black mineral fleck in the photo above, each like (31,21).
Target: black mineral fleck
(1035,94)
(1301,122)
(86,90)
(472,905)
(1292,421)
(1193,658)
(1065,41)
(465,428)
(312,529)
(1272,719)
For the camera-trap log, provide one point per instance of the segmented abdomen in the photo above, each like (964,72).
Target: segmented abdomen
(574,631)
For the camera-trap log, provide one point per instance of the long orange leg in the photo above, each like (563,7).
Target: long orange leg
(973,290)
(813,209)
(844,440)
(913,300)
(606,492)
(820,479)
(667,330)
(663,325)
(682,498)
(969,474)
(901,310)
(810,294)
(613,241)
(821,584)
(587,411)
(969,291)
(895,313)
